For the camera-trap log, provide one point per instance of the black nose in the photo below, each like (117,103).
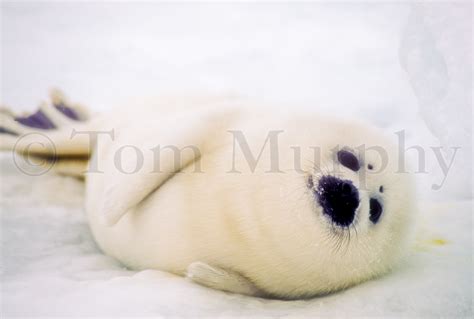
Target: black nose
(338,198)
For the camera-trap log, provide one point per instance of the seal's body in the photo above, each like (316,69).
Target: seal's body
(260,203)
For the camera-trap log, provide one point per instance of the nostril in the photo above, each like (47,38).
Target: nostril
(338,198)
(346,188)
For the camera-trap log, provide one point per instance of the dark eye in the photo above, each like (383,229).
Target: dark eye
(348,160)
(381,189)
(375,210)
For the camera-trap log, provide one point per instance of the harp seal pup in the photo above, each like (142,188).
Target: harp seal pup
(262,203)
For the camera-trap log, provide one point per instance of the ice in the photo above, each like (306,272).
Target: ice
(51,267)
(436,52)
(399,66)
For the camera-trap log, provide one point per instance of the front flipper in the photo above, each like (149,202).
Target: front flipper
(221,279)
(193,133)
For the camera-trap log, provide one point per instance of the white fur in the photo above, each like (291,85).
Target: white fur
(255,233)
(267,227)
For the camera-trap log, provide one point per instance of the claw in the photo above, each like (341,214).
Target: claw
(36,120)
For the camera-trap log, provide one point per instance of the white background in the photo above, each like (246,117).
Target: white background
(400,66)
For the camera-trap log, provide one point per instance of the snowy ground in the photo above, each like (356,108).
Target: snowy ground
(52,267)
(398,66)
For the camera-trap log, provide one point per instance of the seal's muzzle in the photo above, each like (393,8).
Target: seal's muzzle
(339,199)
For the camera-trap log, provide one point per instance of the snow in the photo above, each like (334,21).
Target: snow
(399,66)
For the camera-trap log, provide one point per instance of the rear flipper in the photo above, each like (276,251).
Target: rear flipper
(221,279)
(47,134)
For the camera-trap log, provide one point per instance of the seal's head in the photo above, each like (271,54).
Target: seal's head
(353,217)
(338,196)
